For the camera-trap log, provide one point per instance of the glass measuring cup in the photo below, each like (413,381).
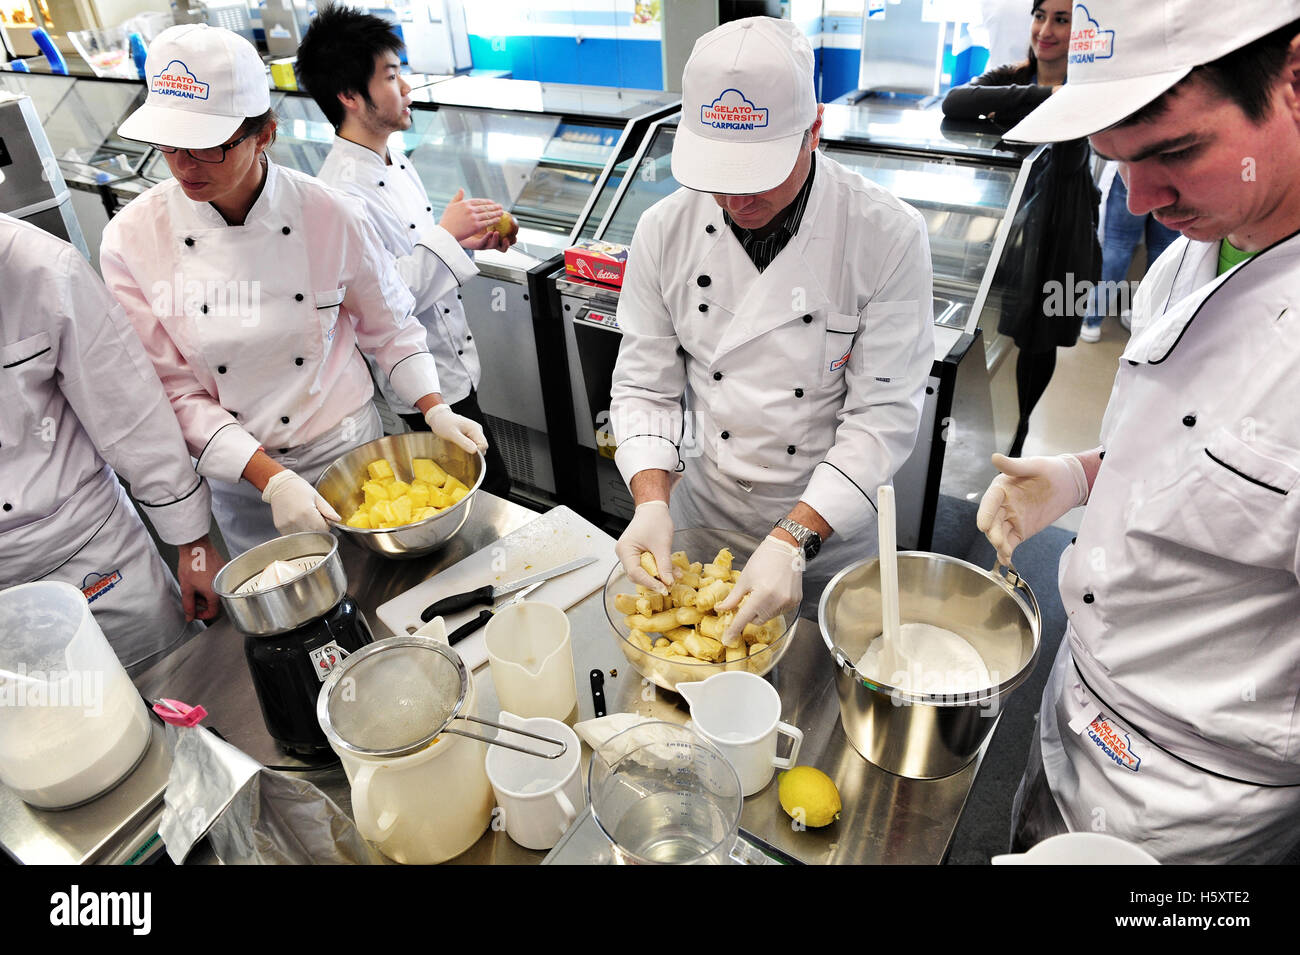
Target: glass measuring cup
(662,795)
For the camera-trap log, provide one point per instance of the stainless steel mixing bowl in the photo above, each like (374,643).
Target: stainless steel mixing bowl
(342,480)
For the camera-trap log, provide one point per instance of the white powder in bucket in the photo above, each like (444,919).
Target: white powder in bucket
(925,659)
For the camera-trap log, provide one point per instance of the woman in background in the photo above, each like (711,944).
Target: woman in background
(1061,208)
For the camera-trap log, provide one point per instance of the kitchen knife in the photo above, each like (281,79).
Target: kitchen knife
(487,594)
(465,629)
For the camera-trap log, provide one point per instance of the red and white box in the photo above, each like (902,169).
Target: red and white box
(603,262)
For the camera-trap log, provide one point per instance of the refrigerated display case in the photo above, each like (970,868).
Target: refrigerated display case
(968,185)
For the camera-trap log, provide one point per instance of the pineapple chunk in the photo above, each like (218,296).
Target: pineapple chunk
(402,510)
(378,470)
(359,520)
(428,471)
(383,512)
(374,492)
(419,495)
(398,489)
(458,493)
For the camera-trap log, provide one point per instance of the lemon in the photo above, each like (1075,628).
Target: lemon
(809,796)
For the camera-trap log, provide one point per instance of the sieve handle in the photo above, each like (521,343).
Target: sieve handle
(1014,582)
(494,741)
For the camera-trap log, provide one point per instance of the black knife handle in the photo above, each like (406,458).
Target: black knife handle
(465,629)
(457,602)
(597,691)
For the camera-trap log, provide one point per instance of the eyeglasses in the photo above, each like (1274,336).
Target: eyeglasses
(211,154)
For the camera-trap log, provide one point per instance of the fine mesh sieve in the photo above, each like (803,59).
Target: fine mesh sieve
(394,697)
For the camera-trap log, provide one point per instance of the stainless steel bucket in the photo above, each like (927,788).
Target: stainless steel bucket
(928,735)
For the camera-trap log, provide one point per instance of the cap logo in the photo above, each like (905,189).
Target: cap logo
(1089,42)
(177,80)
(731,110)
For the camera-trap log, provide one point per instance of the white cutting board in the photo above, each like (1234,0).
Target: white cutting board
(549,540)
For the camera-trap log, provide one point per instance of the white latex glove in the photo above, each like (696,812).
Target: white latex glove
(651,530)
(771,583)
(1029,494)
(295,505)
(463,432)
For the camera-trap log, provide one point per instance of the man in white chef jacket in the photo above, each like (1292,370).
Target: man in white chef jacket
(255,289)
(1169,719)
(76,391)
(350,62)
(778,309)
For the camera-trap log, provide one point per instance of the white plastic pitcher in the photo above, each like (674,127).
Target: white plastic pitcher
(1080,848)
(427,807)
(72,725)
(740,714)
(539,798)
(532,660)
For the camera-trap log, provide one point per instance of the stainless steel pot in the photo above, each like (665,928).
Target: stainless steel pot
(286,606)
(927,735)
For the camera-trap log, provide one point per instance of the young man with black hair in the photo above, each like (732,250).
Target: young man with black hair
(1169,718)
(349,62)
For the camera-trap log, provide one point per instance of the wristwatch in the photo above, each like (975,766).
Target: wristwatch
(807,538)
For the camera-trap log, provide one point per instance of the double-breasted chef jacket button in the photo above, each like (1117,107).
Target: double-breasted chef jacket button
(221,370)
(807,319)
(204,309)
(460,351)
(446,311)
(790,449)
(717,376)
(1189,420)
(8,506)
(286,230)
(726,435)
(428,208)
(284,419)
(703,307)
(189,241)
(297,361)
(298,297)
(709,229)
(1088,598)
(798,392)
(381,182)
(412,225)
(469,338)
(704,281)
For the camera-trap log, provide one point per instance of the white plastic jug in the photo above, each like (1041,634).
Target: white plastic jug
(531,660)
(427,807)
(72,725)
(1080,848)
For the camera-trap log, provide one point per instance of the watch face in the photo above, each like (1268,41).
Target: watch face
(812,546)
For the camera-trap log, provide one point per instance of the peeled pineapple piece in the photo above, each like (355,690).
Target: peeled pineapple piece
(388,501)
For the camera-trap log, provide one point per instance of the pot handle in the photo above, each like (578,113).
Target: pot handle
(1013,582)
(371,828)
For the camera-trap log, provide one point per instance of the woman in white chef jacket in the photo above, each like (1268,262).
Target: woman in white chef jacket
(252,287)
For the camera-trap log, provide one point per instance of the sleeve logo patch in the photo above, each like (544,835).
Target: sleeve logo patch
(731,110)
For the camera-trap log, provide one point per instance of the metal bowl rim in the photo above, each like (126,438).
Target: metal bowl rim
(332,553)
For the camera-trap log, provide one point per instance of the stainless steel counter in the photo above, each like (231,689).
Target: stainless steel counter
(885,819)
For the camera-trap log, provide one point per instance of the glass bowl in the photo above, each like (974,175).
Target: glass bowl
(702,544)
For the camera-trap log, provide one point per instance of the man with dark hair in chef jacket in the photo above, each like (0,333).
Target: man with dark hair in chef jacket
(350,62)
(76,391)
(1169,719)
(779,307)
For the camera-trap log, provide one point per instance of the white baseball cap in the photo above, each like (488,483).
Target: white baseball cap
(203,83)
(747,98)
(1124,54)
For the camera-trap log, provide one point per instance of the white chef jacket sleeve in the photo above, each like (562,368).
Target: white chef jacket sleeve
(436,267)
(649,381)
(107,379)
(885,376)
(382,310)
(221,447)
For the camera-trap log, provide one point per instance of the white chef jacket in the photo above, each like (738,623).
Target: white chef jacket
(430,260)
(76,390)
(255,329)
(810,374)
(1183,588)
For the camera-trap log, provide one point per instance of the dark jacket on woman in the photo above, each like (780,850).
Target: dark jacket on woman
(1052,247)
